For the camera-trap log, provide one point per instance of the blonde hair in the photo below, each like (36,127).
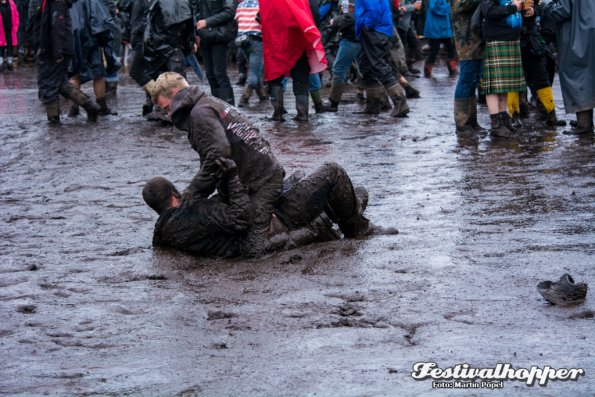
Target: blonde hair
(165,83)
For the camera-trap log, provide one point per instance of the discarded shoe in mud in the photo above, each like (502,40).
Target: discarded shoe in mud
(564,292)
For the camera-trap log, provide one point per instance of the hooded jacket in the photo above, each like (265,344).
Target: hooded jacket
(206,227)
(216,129)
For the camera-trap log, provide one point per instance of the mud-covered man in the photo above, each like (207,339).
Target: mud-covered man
(217,129)
(210,227)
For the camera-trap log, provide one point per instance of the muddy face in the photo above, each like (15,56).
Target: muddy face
(89,307)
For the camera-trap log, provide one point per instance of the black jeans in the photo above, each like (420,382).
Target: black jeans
(536,73)
(435,49)
(215,59)
(50,76)
(374,59)
(300,74)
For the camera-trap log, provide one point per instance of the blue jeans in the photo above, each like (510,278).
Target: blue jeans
(469,76)
(348,52)
(315,82)
(254,56)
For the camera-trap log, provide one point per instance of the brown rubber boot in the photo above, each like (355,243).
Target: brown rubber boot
(373,100)
(52,111)
(401,109)
(80,98)
(334,97)
(245,98)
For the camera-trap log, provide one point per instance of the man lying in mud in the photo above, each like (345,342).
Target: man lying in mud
(212,227)
(218,130)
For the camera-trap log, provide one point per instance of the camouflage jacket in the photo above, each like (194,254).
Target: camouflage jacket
(469,46)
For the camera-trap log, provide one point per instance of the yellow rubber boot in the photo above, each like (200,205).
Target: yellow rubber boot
(546,97)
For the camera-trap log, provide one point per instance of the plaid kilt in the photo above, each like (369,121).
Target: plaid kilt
(502,68)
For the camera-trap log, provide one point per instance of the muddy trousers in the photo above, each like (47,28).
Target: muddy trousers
(50,76)
(262,202)
(327,189)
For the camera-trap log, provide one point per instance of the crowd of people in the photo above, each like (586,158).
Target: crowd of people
(497,48)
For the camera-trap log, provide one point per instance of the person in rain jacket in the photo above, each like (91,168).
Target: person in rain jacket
(9,26)
(576,54)
(438,30)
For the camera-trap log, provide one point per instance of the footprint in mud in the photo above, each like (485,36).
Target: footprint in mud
(219,315)
(27,309)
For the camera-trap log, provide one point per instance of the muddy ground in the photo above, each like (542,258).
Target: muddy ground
(88,307)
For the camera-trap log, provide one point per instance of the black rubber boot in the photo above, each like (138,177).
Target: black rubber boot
(301,105)
(52,111)
(104,109)
(411,92)
(498,126)
(277,100)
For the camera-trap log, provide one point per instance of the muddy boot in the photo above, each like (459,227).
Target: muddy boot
(473,115)
(334,96)
(242,77)
(73,110)
(462,110)
(301,104)
(245,98)
(81,99)
(515,122)
(507,122)
(385,105)
(277,100)
(104,109)
(584,123)
(428,69)
(401,109)
(111,88)
(52,111)
(261,91)
(452,66)
(317,100)
(498,126)
(411,92)
(552,120)
(373,95)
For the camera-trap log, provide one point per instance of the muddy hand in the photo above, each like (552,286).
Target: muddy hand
(225,167)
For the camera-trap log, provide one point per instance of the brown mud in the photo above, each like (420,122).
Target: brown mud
(88,307)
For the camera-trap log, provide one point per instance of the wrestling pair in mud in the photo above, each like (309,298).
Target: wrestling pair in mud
(254,211)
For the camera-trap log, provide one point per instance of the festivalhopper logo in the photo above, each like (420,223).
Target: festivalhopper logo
(464,376)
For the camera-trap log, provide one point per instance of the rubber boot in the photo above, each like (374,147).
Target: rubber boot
(261,91)
(584,123)
(73,110)
(473,115)
(277,100)
(104,109)
(400,109)
(301,104)
(111,88)
(52,111)
(428,69)
(498,126)
(411,92)
(452,66)
(462,112)
(372,100)
(546,98)
(317,100)
(514,107)
(385,105)
(334,97)
(245,98)
(81,99)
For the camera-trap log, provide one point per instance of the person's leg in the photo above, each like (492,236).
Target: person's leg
(429,64)
(328,188)
(300,74)
(207,57)
(465,106)
(374,68)
(49,77)
(315,85)
(451,56)
(347,53)
(225,91)
(276,89)
(99,89)
(263,204)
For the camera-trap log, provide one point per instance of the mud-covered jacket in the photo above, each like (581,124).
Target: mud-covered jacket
(206,227)
(216,129)
(502,20)
(469,45)
(138,21)
(55,30)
